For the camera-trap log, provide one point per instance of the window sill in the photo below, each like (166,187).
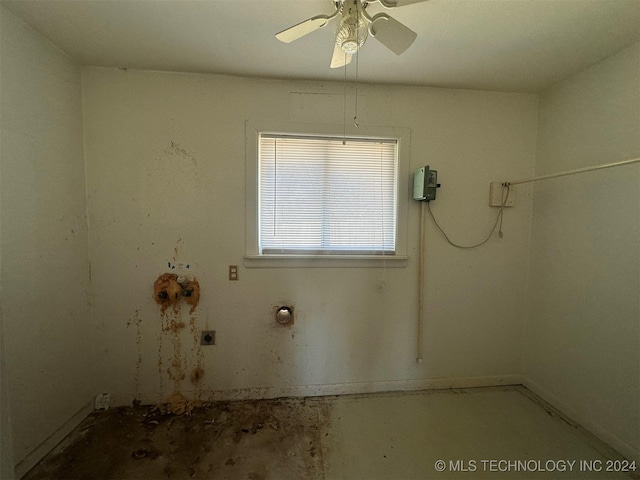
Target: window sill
(325,261)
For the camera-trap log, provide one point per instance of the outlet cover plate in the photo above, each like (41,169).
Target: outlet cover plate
(233,272)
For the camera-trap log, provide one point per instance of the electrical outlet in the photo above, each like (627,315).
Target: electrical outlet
(208,337)
(233,272)
(103,401)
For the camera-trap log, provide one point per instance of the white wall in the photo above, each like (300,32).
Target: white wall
(166,176)
(582,340)
(7,469)
(45,313)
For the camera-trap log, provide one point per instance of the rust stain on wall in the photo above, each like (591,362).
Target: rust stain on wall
(168,290)
(192,294)
(136,320)
(198,371)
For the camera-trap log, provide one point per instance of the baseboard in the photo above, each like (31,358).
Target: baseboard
(585,422)
(38,453)
(327,389)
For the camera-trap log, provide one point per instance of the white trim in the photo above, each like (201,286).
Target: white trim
(585,422)
(38,453)
(252,256)
(252,393)
(342,261)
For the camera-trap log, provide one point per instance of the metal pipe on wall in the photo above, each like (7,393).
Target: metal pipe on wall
(573,172)
(420,359)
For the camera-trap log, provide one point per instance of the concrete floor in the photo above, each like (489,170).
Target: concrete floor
(440,434)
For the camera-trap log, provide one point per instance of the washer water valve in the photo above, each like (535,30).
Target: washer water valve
(170,288)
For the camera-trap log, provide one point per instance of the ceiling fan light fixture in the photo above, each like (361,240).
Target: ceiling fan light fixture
(350,47)
(351,33)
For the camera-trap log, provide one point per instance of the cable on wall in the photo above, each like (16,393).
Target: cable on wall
(505,196)
(499,217)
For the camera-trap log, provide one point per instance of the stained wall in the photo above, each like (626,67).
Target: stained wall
(166,170)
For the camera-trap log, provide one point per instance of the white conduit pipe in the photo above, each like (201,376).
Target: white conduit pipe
(573,172)
(420,359)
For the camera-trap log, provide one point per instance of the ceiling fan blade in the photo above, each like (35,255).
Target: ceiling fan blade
(399,3)
(339,58)
(391,33)
(303,28)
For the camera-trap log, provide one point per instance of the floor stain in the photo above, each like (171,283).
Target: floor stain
(386,435)
(266,439)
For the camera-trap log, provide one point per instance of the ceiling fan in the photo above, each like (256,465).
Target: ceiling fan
(355,26)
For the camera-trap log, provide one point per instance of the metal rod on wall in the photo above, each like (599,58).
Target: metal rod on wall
(420,357)
(573,172)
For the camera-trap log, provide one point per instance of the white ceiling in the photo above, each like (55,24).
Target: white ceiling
(506,45)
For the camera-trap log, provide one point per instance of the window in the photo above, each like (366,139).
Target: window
(312,201)
(327,195)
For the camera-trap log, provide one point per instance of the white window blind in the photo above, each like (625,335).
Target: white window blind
(323,195)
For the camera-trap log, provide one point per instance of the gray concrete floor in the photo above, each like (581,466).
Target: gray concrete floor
(502,433)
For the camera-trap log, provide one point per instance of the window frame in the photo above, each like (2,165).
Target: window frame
(253,258)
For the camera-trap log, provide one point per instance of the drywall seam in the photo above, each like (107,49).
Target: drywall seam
(47,445)
(584,421)
(331,389)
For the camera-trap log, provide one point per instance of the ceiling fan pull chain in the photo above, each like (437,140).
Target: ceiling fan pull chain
(344,115)
(355,118)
